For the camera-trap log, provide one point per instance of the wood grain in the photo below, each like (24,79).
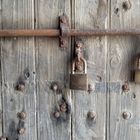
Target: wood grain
(52,65)
(1,115)
(121,53)
(91,15)
(18,65)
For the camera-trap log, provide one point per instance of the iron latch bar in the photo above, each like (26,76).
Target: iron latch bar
(64,32)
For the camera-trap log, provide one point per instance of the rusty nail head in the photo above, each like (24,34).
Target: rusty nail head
(63,107)
(91,87)
(91,115)
(54,86)
(125,87)
(22,115)
(21,131)
(126,115)
(56,114)
(20,87)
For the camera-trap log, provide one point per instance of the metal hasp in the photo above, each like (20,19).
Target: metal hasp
(78,76)
(64,30)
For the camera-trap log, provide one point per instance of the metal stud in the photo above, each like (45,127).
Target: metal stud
(21,131)
(126,115)
(63,107)
(56,114)
(91,115)
(125,87)
(21,115)
(20,87)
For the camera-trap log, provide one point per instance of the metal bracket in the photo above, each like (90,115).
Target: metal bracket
(64,30)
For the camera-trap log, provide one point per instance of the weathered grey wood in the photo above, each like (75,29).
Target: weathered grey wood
(0,82)
(88,15)
(121,53)
(52,64)
(18,64)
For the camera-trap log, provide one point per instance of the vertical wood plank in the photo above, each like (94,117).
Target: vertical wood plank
(124,15)
(89,15)
(52,65)
(0,75)
(18,65)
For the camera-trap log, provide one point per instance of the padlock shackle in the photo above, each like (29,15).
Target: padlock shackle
(84,65)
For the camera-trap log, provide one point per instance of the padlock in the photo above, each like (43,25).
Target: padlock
(137,69)
(79,79)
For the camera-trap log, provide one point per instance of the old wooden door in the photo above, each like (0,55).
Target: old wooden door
(37,62)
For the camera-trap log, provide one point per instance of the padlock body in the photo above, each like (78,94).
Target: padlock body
(78,82)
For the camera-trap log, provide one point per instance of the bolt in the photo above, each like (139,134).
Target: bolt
(20,87)
(126,115)
(21,115)
(125,87)
(91,115)
(21,131)
(63,107)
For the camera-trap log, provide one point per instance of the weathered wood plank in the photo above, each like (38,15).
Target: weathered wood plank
(88,15)
(52,64)
(18,65)
(0,76)
(121,53)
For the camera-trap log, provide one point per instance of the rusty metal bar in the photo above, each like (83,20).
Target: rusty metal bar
(29,32)
(72,32)
(99,32)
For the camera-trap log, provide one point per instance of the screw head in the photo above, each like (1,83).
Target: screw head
(91,115)
(21,131)
(126,115)
(56,114)
(22,115)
